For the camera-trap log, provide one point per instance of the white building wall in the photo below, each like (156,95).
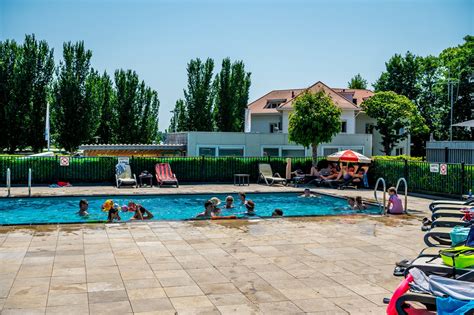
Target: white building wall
(349,117)
(261,123)
(285,121)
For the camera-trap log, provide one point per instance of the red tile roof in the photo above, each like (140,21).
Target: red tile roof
(341,97)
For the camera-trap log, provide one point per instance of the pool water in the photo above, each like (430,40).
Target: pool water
(168,207)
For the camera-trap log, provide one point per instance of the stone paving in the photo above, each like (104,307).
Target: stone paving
(325,265)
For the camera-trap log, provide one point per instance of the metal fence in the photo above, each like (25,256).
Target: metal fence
(89,170)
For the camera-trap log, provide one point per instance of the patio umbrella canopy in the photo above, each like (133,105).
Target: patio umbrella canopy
(348,156)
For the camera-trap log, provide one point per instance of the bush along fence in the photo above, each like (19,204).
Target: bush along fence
(95,170)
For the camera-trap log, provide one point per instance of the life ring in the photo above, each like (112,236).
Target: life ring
(228,217)
(399,291)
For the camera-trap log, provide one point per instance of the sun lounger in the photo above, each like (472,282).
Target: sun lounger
(124,176)
(451,202)
(440,236)
(435,266)
(265,173)
(448,207)
(447,213)
(164,175)
(449,222)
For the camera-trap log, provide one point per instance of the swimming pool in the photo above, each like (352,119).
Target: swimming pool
(49,210)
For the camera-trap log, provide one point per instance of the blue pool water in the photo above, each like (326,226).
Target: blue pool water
(171,207)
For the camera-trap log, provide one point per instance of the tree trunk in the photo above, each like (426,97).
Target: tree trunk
(314,151)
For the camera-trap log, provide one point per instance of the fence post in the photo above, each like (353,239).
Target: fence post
(446,155)
(405,170)
(202,168)
(463,178)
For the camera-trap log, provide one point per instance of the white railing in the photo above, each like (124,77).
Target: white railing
(400,180)
(9,181)
(29,182)
(384,187)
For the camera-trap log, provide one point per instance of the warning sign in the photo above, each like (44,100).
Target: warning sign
(443,169)
(64,160)
(434,168)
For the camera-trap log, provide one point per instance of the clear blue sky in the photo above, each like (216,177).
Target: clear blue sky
(285,44)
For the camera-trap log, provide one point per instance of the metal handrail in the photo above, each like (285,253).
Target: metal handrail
(29,182)
(384,186)
(9,181)
(402,179)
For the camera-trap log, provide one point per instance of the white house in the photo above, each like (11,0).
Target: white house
(266,128)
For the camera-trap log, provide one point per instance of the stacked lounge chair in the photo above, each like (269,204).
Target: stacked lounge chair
(430,264)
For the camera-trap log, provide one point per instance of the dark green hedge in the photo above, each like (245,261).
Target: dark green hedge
(46,170)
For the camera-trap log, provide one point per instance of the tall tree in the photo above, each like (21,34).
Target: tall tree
(458,64)
(179,120)
(401,76)
(9,64)
(106,100)
(357,82)
(225,98)
(137,107)
(315,119)
(240,82)
(75,111)
(43,64)
(396,117)
(199,95)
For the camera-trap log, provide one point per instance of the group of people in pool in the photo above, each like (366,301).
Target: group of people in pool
(211,206)
(113,210)
(394,203)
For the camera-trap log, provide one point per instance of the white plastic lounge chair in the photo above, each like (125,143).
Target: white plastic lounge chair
(124,176)
(265,173)
(451,202)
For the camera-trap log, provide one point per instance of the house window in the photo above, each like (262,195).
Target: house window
(354,100)
(275,127)
(231,152)
(399,151)
(343,126)
(207,151)
(274,103)
(369,129)
(292,153)
(270,152)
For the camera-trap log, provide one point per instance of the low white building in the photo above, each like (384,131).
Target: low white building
(266,129)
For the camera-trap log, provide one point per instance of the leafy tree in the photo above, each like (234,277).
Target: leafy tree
(75,111)
(396,116)
(458,66)
(137,107)
(199,95)
(9,64)
(224,100)
(179,120)
(357,82)
(401,76)
(240,82)
(315,120)
(106,100)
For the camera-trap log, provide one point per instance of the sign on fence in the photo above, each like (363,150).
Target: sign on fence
(123,160)
(434,168)
(64,160)
(443,170)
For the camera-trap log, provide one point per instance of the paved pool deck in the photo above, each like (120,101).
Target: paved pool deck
(318,265)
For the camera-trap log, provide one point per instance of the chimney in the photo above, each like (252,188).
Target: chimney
(292,94)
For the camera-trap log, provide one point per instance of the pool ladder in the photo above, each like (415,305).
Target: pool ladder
(9,181)
(384,187)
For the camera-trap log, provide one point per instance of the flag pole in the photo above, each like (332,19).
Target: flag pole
(46,131)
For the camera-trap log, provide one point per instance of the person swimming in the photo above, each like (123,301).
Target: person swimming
(250,205)
(277,213)
(229,202)
(216,202)
(243,197)
(208,211)
(83,207)
(140,212)
(359,204)
(114,213)
(308,194)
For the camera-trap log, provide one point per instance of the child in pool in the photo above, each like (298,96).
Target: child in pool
(208,211)
(242,197)
(215,202)
(250,205)
(351,202)
(83,207)
(277,213)
(394,204)
(114,214)
(229,202)
(140,212)
(359,204)
(308,194)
